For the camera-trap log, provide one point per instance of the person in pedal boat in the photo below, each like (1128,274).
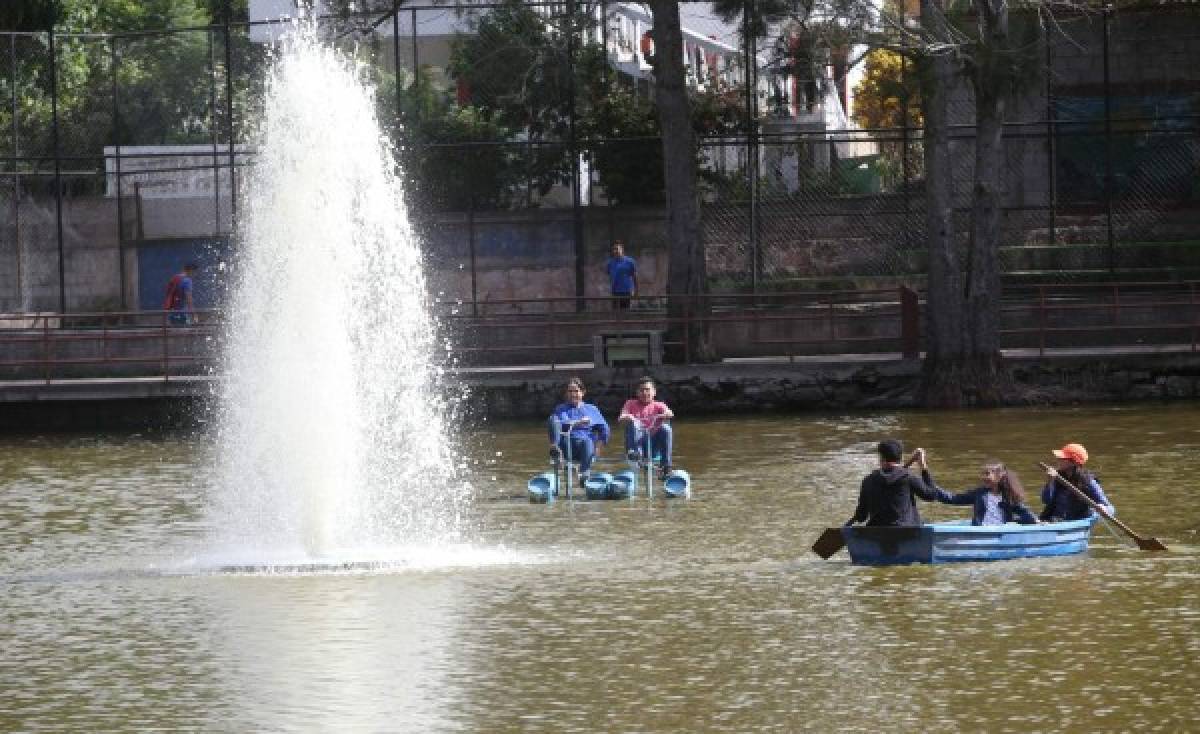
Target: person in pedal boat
(1000,499)
(641,415)
(587,428)
(1061,502)
(887,495)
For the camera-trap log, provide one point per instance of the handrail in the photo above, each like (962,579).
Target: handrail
(47,339)
(784,323)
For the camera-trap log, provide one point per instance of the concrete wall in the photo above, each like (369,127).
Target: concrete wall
(530,254)
(92,263)
(29,254)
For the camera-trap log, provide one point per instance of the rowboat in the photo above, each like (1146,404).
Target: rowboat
(960,541)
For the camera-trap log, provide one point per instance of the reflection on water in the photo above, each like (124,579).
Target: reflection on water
(708,615)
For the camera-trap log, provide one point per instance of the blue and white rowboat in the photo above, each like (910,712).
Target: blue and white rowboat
(955,542)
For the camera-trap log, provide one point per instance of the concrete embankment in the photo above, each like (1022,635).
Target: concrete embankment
(883,382)
(830,383)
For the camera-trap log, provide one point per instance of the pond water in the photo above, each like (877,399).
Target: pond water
(648,616)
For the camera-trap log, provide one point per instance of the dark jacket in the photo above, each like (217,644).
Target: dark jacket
(887,498)
(977,499)
(1063,504)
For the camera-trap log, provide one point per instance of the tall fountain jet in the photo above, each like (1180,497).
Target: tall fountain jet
(332,425)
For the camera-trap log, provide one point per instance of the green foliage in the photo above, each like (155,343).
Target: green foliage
(454,157)
(625,147)
(626,151)
(163,80)
(515,67)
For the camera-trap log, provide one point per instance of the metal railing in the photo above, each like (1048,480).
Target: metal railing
(786,324)
(551,333)
(1131,314)
(48,346)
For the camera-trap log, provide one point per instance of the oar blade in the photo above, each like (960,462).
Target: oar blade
(1150,544)
(830,542)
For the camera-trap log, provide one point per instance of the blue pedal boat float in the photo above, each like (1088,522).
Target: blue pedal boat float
(596,485)
(678,484)
(543,488)
(960,541)
(549,485)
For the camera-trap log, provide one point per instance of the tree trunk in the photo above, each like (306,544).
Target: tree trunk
(687,276)
(945,344)
(983,286)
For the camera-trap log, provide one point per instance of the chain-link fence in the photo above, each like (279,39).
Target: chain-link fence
(528,139)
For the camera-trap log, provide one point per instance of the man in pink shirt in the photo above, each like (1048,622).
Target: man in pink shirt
(643,415)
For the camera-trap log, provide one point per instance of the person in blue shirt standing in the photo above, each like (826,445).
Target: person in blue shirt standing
(622,275)
(578,422)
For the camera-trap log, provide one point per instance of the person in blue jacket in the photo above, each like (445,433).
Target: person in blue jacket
(1061,502)
(578,422)
(1000,499)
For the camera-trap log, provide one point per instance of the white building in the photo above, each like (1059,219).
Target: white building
(798,116)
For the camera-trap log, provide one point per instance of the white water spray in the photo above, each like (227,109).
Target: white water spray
(332,425)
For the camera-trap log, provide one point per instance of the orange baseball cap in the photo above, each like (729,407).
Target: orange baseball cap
(1073,451)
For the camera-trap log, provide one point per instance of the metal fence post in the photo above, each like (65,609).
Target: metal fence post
(1195,314)
(910,323)
(46,347)
(212,117)
(166,349)
(1108,152)
(751,73)
(1051,145)
(396,57)
(58,203)
(16,180)
(573,147)
(114,62)
(1041,320)
(471,245)
(233,192)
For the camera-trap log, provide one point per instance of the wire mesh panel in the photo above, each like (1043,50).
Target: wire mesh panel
(809,157)
(1154,146)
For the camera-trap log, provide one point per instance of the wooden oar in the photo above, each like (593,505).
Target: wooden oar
(831,540)
(1145,543)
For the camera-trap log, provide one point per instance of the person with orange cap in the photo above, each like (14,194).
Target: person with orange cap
(1061,502)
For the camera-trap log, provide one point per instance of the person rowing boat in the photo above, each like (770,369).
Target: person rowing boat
(887,495)
(1062,503)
